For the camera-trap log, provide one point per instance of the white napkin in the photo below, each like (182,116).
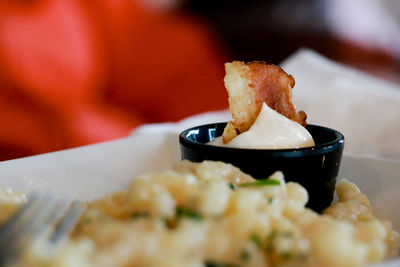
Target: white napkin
(364,108)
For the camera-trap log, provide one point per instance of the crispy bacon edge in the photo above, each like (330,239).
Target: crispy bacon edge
(251,84)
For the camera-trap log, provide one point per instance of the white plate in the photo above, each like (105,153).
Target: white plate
(90,172)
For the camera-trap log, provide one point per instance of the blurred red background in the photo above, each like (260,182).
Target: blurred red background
(79,72)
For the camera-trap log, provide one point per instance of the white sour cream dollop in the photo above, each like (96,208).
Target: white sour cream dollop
(271,130)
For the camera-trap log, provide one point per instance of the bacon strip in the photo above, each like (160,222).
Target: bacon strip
(251,84)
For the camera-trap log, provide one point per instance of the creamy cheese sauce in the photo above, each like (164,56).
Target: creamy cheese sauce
(271,130)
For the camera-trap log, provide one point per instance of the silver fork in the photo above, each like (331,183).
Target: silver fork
(43,216)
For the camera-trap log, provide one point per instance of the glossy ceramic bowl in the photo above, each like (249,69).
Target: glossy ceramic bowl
(316,168)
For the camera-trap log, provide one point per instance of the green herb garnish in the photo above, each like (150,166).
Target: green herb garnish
(188,213)
(140,214)
(261,182)
(255,238)
(232,186)
(275,234)
(286,255)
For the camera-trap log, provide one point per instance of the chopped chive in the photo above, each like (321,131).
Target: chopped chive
(255,238)
(275,234)
(140,214)
(232,186)
(286,255)
(261,182)
(188,213)
(270,240)
(270,200)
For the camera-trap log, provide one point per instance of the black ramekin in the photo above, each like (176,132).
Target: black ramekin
(316,168)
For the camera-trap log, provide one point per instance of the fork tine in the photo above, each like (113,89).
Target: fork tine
(38,215)
(50,210)
(11,228)
(12,223)
(68,223)
(21,228)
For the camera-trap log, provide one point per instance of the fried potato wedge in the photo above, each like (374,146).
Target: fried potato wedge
(251,84)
